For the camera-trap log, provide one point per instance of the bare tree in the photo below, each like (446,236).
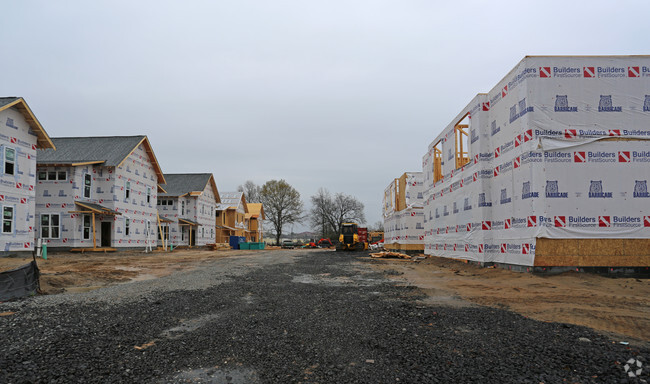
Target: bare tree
(329,213)
(347,209)
(379,226)
(282,205)
(321,207)
(251,191)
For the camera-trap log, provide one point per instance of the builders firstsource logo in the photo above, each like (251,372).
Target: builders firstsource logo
(567,72)
(594,157)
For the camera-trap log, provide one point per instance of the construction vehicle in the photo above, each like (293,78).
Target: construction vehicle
(375,236)
(352,238)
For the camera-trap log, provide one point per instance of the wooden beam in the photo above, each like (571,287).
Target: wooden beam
(94,237)
(88,163)
(162,235)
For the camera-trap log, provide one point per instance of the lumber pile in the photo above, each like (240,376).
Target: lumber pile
(385,255)
(218,246)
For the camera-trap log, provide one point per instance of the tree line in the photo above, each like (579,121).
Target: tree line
(283,207)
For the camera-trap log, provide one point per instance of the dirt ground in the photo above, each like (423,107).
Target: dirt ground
(619,307)
(75,272)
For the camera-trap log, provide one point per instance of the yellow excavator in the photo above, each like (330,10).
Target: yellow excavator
(352,238)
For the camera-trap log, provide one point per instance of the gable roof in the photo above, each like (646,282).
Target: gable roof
(256,210)
(42,139)
(232,200)
(110,151)
(193,184)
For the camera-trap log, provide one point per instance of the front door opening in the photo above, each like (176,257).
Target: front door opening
(106,234)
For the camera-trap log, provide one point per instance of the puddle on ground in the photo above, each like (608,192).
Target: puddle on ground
(187,326)
(215,376)
(335,281)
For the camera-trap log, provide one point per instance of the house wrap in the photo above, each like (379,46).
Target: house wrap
(187,209)
(554,169)
(21,135)
(102,192)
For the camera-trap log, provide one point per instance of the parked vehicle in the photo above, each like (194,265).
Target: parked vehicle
(288,244)
(325,243)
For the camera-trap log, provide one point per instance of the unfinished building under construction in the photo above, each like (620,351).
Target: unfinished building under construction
(550,168)
(403,214)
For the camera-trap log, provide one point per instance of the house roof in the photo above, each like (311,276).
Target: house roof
(110,151)
(181,184)
(232,200)
(96,208)
(255,210)
(192,223)
(165,220)
(43,140)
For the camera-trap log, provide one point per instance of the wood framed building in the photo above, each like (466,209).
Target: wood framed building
(403,214)
(98,193)
(230,216)
(21,135)
(187,209)
(253,221)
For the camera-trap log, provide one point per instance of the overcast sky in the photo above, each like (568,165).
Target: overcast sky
(344,95)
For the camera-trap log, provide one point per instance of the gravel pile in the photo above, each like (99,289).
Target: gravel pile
(291,317)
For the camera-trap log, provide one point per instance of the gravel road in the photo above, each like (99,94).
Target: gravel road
(292,317)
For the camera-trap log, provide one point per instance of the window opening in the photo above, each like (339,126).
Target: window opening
(50,225)
(10,159)
(7,219)
(87,185)
(86,227)
(437,161)
(461,133)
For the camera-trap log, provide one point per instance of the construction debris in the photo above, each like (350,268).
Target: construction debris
(144,346)
(385,255)
(218,246)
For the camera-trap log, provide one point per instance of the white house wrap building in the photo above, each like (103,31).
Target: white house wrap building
(187,209)
(98,193)
(21,135)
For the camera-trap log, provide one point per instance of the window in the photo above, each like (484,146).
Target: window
(163,202)
(148,194)
(148,228)
(86,227)
(127,226)
(202,232)
(461,133)
(7,219)
(87,184)
(52,175)
(50,225)
(212,233)
(437,161)
(183,207)
(182,234)
(127,190)
(10,161)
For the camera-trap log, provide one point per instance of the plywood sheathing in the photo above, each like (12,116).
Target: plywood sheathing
(592,252)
